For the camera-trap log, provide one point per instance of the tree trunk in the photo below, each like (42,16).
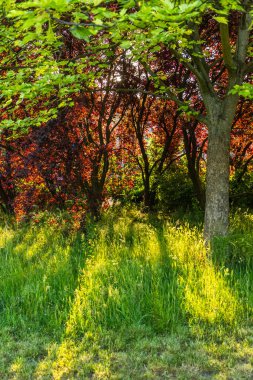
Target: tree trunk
(149,198)
(146,192)
(220,114)
(217,180)
(197,184)
(94,203)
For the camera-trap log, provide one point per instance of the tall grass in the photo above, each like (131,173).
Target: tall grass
(147,272)
(130,280)
(39,272)
(79,306)
(234,254)
(130,270)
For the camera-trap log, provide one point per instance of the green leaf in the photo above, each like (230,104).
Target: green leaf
(125,44)
(15,13)
(80,16)
(7,103)
(246,90)
(221,20)
(81,33)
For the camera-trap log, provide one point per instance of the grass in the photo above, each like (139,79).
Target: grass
(39,272)
(137,297)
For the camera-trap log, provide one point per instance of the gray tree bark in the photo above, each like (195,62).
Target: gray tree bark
(221,115)
(217,181)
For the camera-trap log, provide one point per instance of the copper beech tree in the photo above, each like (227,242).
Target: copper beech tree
(210,39)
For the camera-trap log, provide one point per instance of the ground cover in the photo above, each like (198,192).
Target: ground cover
(136,296)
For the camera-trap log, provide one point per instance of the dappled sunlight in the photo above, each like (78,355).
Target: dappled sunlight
(126,282)
(6,235)
(151,274)
(39,275)
(169,263)
(151,356)
(207,295)
(142,276)
(18,368)
(126,190)
(208,298)
(21,353)
(73,359)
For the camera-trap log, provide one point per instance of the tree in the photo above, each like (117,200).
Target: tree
(95,117)
(204,36)
(199,52)
(154,124)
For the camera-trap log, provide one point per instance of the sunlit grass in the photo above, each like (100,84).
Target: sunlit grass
(137,296)
(145,272)
(39,271)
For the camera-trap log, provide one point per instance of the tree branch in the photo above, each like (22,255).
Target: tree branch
(226,48)
(170,95)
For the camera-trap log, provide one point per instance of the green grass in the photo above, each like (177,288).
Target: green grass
(39,273)
(137,297)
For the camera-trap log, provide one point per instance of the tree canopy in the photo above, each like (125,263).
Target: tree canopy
(197,55)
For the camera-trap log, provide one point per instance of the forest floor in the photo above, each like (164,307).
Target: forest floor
(137,297)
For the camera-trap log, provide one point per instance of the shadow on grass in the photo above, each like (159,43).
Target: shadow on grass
(209,299)
(39,273)
(144,277)
(147,277)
